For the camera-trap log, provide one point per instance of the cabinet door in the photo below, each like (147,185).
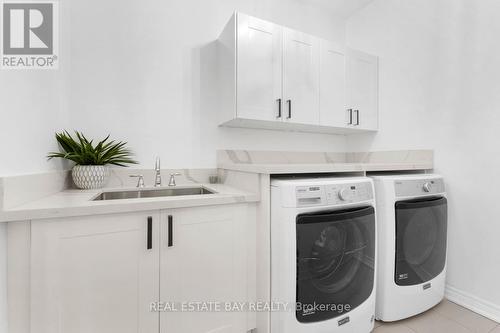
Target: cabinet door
(95,274)
(300,77)
(259,68)
(362,89)
(203,259)
(332,85)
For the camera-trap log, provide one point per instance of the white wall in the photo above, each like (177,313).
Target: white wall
(141,70)
(439,89)
(33,105)
(30,111)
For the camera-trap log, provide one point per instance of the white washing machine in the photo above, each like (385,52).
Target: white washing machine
(323,250)
(412,234)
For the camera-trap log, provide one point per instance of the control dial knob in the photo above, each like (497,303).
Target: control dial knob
(427,187)
(345,194)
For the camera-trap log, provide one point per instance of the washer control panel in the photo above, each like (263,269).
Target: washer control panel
(333,194)
(414,187)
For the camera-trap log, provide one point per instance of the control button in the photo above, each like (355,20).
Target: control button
(345,194)
(427,187)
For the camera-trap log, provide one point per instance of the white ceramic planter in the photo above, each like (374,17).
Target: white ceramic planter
(90,176)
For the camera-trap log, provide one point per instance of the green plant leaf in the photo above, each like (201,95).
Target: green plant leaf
(82,151)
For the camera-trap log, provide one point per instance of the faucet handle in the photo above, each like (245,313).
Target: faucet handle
(140,180)
(172,178)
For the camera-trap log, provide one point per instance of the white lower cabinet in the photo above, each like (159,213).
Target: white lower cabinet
(94,274)
(101,274)
(203,268)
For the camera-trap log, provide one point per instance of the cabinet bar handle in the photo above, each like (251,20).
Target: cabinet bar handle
(349,111)
(357,116)
(170,231)
(289,109)
(150,233)
(279,108)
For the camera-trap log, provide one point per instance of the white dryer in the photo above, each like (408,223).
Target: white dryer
(412,234)
(323,250)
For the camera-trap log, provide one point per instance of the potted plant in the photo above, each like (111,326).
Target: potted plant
(91,161)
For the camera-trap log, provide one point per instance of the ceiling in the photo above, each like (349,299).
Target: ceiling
(341,8)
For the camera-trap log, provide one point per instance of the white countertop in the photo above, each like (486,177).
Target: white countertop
(79,203)
(34,189)
(283,168)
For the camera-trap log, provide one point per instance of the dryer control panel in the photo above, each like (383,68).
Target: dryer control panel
(333,194)
(418,187)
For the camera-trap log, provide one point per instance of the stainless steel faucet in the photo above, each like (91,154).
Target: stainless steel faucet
(158,172)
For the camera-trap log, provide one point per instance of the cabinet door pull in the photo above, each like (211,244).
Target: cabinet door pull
(349,114)
(289,109)
(149,245)
(357,117)
(170,231)
(279,108)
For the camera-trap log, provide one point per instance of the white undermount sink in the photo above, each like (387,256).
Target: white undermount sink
(152,193)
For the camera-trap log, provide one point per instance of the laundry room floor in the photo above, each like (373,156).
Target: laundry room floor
(446,317)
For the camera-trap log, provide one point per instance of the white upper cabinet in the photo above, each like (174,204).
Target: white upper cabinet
(332,85)
(273,77)
(300,77)
(362,89)
(259,68)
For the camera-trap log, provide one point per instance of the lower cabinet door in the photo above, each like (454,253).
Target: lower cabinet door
(95,274)
(203,269)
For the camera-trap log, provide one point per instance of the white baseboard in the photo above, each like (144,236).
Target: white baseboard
(473,303)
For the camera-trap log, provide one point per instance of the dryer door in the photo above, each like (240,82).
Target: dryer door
(335,262)
(420,240)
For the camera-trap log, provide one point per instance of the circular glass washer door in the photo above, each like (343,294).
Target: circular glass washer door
(420,240)
(335,262)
